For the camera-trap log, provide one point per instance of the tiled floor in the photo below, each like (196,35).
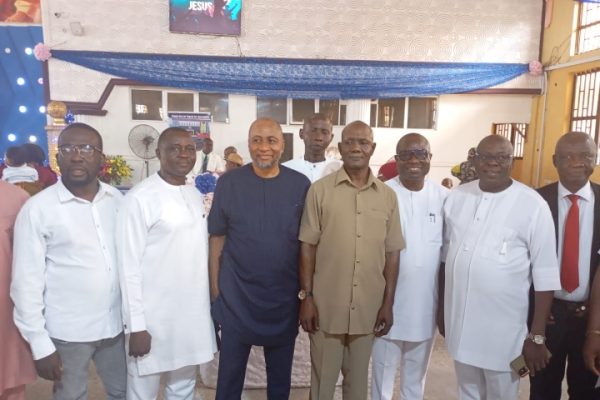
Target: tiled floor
(440,385)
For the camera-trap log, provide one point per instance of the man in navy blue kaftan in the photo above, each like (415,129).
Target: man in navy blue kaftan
(253,261)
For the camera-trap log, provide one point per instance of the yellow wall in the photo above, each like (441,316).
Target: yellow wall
(556,102)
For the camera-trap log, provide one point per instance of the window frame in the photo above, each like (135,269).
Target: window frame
(516,133)
(375,102)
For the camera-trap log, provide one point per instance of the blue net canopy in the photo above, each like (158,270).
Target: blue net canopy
(298,78)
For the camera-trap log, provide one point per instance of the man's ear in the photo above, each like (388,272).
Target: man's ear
(301,133)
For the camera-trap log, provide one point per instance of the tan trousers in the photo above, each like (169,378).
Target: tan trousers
(332,353)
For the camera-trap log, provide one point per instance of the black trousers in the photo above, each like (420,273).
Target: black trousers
(233,358)
(565,338)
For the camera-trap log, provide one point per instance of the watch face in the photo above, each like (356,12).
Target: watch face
(538,339)
(302,294)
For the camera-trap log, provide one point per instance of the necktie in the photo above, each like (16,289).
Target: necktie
(569,271)
(204,163)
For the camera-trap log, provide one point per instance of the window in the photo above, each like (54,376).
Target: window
(302,108)
(217,104)
(584,112)
(146,104)
(516,133)
(587,35)
(333,108)
(180,102)
(404,112)
(272,107)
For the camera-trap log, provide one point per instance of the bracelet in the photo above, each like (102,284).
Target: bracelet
(593,332)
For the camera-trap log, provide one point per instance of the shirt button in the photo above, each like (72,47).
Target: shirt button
(357,261)
(356,284)
(358,235)
(353,307)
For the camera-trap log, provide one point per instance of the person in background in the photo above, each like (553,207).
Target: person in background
(65,284)
(351,239)
(16,364)
(575,205)
(253,226)
(35,157)
(410,340)
(591,348)
(465,171)
(163,265)
(316,133)
(233,161)
(228,150)
(207,160)
(388,170)
(447,183)
(498,239)
(17,170)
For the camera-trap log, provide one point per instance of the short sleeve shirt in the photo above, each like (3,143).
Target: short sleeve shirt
(258,275)
(353,228)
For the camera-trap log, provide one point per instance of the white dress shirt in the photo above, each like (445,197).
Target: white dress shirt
(586,230)
(65,279)
(214,164)
(495,244)
(415,302)
(163,264)
(314,171)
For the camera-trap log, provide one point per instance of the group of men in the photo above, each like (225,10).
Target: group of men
(146,285)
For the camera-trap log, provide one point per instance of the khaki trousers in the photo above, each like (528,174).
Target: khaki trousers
(332,353)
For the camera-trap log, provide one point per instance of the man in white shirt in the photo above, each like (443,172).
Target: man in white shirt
(207,160)
(410,339)
(317,133)
(576,197)
(498,238)
(163,264)
(65,281)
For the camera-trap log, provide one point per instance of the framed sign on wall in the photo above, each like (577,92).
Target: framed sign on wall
(212,17)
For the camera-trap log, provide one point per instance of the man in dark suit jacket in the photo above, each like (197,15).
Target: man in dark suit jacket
(574,159)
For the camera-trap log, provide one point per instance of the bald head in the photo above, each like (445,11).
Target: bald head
(497,142)
(409,139)
(356,126)
(493,163)
(265,124)
(570,138)
(169,132)
(265,143)
(575,159)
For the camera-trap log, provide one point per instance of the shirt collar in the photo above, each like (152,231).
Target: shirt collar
(65,195)
(584,193)
(342,176)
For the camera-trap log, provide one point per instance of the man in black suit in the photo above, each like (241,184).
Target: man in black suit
(575,205)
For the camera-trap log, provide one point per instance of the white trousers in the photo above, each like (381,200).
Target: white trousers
(179,384)
(413,358)
(483,384)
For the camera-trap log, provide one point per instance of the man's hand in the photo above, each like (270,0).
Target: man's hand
(50,367)
(384,321)
(591,353)
(309,316)
(139,343)
(536,356)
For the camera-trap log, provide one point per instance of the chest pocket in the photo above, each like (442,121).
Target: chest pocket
(433,229)
(501,245)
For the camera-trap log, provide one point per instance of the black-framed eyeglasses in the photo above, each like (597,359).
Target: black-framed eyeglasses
(420,155)
(499,158)
(84,150)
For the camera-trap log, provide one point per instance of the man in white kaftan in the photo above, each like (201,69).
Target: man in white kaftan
(499,236)
(163,256)
(410,340)
(317,133)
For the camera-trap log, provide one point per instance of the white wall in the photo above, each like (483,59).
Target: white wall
(462,121)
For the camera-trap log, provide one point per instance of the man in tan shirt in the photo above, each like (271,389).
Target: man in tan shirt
(351,240)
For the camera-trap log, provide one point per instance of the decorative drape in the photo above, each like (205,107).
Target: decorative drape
(588,1)
(298,78)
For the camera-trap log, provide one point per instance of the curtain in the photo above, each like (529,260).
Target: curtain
(297,78)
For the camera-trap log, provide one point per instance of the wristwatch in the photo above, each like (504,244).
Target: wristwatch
(302,294)
(537,339)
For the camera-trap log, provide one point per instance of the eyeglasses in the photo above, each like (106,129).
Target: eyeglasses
(406,155)
(577,157)
(84,150)
(499,158)
(179,150)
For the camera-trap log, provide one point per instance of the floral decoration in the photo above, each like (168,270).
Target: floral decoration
(42,52)
(536,68)
(114,170)
(206,184)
